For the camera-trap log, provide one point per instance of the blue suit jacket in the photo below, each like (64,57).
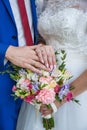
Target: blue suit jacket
(9,36)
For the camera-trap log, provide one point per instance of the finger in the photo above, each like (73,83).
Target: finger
(42,110)
(38,65)
(44,54)
(35,46)
(43,106)
(34,57)
(31,55)
(50,61)
(38,52)
(54,61)
(46,113)
(53,57)
(29,52)
(40,45)
(32,68)
(50,57)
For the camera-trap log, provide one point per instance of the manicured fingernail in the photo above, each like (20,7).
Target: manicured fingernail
(42,61)
(51,67)
(54,66)
(47,65)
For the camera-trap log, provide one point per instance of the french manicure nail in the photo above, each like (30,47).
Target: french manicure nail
(51,67)
(42,61)
(54,66)
(47,65)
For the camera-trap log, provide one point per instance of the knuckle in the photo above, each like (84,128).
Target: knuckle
(45,57)
(43,51)
(35,64)
(24,65)
(40,54)
(51,47)
(40,57)
(37,51)
(50,56)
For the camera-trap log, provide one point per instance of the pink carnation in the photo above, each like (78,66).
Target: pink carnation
(26,81)
(29,99)
(14,88)
(45,80)
(69,96)
(46,96)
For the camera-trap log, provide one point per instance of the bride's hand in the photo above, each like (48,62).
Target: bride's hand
(45,111)
(46,55)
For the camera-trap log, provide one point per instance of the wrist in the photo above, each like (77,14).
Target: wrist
(9,52)
(59,104)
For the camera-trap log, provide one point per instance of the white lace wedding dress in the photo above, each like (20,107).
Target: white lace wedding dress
(63,27)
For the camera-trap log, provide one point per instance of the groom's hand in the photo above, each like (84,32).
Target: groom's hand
(25,57)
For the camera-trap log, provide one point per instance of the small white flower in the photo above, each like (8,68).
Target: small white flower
(29,76)
(35,77)
(56,73)
(21,80)
(24,87)
(45,73)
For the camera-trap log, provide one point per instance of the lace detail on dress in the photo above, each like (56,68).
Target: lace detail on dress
(40,6)
(61,4)
(64,27)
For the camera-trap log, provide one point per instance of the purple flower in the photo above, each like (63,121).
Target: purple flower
(64,91)
(22,72)
(35,86)
(67,86)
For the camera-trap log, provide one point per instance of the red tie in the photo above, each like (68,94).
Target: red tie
(25,23)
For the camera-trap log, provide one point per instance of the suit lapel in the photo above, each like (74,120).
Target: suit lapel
(34,16)
(8,7)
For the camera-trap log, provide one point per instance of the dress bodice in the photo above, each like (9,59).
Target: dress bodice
(63,26)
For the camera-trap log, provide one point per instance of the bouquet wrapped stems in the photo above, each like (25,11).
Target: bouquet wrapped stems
(48,123)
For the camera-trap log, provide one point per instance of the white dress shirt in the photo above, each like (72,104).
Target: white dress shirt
(17,17)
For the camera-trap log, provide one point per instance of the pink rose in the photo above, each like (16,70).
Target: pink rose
(49,79)
(46,96)
(29,99)
(30,86)
(14,88)
(69,96)
(37,92)
(57,88)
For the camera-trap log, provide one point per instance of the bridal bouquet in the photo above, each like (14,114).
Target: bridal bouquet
(43,89)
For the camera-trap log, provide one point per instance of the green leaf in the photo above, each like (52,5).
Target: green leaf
(76,101)
(58,99)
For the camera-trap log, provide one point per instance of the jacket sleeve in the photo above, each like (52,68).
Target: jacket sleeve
(3,49)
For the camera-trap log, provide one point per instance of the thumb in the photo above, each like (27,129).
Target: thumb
(35,46)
